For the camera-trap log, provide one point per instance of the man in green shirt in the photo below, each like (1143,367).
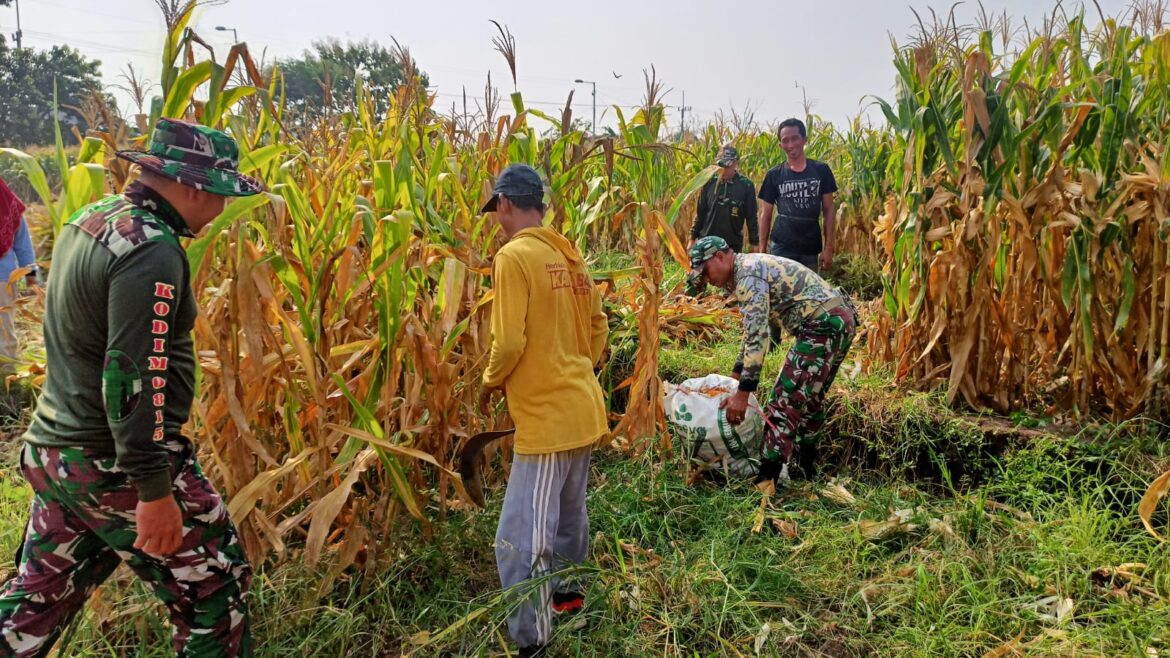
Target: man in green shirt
(113,477)
(726,203)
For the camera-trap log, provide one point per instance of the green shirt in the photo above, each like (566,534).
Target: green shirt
(119,355)
(724,207)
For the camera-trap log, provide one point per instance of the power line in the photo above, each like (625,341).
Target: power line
(527,101)
(58,40)
(121,17)
(613,101)
(559,104)
(91,31)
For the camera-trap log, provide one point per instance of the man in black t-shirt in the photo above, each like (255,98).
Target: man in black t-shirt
(798,192)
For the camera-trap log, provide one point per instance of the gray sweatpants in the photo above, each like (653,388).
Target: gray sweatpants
(543,528)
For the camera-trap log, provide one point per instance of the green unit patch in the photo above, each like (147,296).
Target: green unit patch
(121,386)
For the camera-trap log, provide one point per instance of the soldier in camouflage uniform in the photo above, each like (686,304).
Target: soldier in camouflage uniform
(113,477)
(778,292)
(726,203)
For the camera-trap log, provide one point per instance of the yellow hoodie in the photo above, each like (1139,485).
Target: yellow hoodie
(548,331)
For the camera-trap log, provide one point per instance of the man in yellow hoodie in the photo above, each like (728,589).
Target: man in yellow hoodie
(548,333)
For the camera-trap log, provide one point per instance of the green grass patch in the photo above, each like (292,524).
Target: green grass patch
(678,571)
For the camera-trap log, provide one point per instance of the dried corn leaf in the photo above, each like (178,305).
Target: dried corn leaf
(1149,503)
(762,637)
(329,506)
(838,494)
(880,530)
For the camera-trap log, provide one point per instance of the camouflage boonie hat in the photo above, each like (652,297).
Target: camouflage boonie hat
(197,156)
(727,156)
(704,250)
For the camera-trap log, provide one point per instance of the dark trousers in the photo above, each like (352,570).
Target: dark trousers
(811,261)
(82,525)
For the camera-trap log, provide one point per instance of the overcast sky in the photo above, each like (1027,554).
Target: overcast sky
(721,54)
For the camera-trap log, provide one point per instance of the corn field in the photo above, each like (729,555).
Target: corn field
(1026,234)
(1018,204)
(344,315)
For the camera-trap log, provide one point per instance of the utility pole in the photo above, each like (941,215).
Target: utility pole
(683,123)
(19,33)
(590,82)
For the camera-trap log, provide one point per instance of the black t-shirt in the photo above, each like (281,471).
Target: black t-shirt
(797,196)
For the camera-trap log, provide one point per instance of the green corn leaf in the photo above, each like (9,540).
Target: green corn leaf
(1068,280)
(212,108)
(184,88)
(1085,281)
(1128,293)
(197,250)
(693,185)
(259,158)
(93,151)
(84,185)
(171,48)
(62,159)
(943,139)
(228,100)
(36,177)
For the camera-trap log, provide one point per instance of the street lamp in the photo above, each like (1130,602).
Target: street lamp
(235,37)
(590,82)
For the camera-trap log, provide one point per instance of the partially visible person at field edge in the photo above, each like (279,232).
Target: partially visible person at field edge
(797,193)
(548,333)
(727,202)
(113,478)
(775,292)
(17,251)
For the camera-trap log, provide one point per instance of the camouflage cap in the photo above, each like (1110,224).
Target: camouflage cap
(703,250)
(727,156)
(197,156)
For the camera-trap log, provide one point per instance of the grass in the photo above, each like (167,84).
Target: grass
(1007,548)
(677,571)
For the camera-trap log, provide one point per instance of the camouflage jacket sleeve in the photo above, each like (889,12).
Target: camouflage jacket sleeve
(144,286)
(752,293)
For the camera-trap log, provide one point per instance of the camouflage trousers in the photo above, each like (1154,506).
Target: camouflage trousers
(796,411)
(81,526)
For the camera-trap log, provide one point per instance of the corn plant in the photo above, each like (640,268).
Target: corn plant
(1026,238)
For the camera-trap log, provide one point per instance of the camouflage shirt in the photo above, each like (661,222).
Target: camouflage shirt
(119,355)
(772,292)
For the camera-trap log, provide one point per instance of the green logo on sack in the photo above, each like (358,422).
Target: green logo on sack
(732,439)
(682,414)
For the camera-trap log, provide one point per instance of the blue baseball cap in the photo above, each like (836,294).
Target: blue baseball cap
(515,180)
